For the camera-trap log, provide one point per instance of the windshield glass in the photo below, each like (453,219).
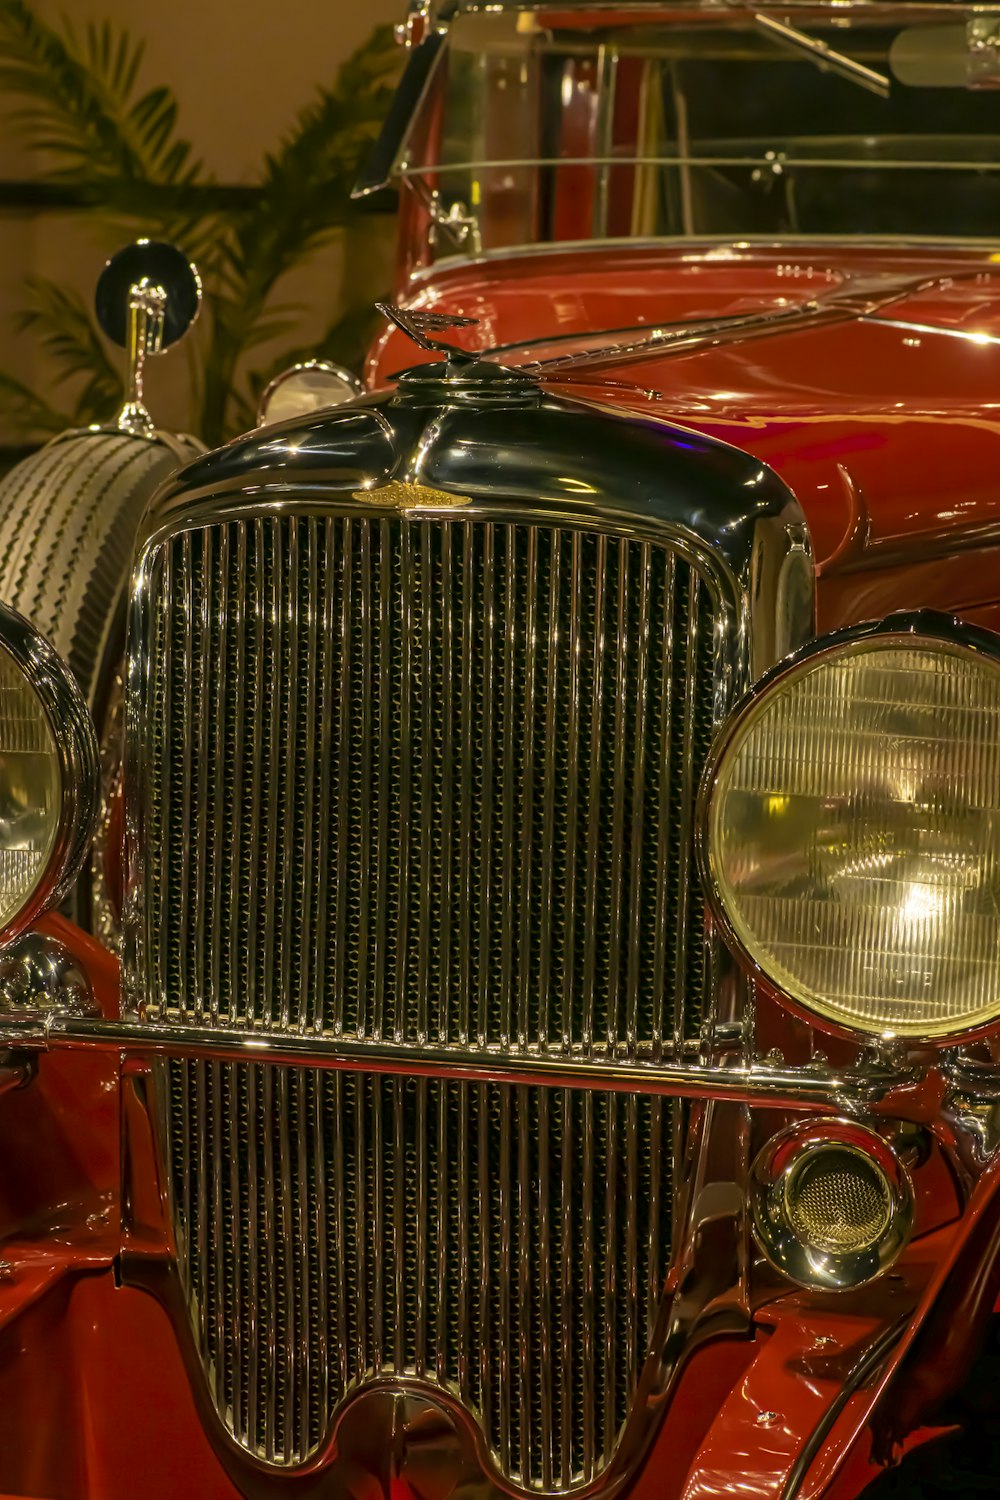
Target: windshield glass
(553,127)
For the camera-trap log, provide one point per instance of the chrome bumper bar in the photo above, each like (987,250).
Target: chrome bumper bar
(762,1083)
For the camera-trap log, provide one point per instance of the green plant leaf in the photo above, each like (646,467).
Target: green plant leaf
(77,100)
(77,94)
(28,413)
(61,320)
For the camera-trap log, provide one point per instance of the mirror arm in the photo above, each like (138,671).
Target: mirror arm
(147,306)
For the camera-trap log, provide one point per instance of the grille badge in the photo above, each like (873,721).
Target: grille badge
(405,497)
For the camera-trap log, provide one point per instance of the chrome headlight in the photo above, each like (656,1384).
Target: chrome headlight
(313,386)
(48,775)
(853,828)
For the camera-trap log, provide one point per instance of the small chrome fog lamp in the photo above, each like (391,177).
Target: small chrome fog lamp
(48,775)
(831,1204)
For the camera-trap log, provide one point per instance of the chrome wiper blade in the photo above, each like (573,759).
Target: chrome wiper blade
(823,55)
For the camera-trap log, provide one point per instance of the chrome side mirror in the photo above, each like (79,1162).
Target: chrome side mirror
(306,388)
(148,296)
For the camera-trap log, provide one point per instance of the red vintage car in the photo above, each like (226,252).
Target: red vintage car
(555,1044)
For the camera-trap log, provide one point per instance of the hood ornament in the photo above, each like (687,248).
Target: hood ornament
(463,377)
(148,296)
(418,324)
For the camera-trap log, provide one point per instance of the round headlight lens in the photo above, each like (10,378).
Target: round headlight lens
(48,774)
(30,790)
(306,388)
(854,834)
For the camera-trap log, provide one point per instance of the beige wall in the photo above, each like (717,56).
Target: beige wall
(241,71)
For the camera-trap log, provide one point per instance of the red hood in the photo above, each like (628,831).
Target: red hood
(868,379)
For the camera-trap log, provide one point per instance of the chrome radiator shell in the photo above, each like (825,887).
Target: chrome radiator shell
(485,999)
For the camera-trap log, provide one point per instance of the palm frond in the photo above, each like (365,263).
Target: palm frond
(77,101)
(28,413)
(77,93)
(64,326)
(306,183)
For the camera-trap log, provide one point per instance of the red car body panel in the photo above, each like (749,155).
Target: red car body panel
(889,437)
(904,417)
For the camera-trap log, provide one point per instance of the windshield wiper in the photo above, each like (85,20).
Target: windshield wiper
(823,55)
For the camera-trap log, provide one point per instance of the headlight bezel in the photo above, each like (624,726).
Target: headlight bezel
(75,739)
(903,629)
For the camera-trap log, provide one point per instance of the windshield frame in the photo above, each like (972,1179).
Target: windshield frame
(426,35)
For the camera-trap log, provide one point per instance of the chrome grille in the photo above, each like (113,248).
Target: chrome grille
(505,1243)
(422,781)
(427,781)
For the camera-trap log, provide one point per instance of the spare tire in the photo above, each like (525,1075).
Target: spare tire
(68,521)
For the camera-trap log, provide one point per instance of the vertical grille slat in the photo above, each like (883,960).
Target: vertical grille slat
(186,753)
(272,1320)
(595,832)
(637,778)
(420,1246)
(588,1300)
(369,693)
(523,1190)
(289,928)
(376,1210)
(571,771)
(619,744)
(254,713)
(312,665)
(487,1390)
(548,721)
(273,633)
(432,866)
(508,846)
(232,712)
(424,781)
(565,1322)
(340,1283)
(399,1256)
(217,1229)
(254,1322)
(389,777)
(525,714)
(544,1332)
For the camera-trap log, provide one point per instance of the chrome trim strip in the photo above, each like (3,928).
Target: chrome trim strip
(711,246)
(761,1083)
(969,335)
(182,445)
(446,9)
(682,159)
